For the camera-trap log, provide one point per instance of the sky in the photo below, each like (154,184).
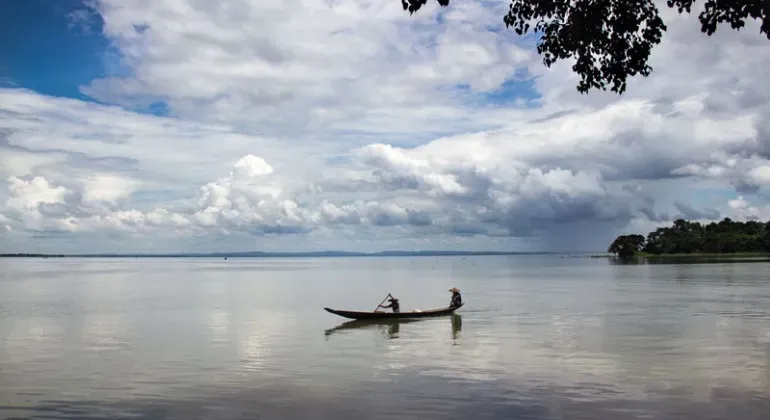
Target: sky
(236,125)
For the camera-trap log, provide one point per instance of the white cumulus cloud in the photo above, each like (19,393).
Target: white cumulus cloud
(352,125)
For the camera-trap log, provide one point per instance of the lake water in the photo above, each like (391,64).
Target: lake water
(539,337)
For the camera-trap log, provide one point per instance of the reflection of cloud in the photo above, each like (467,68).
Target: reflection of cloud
(219,324)
(258,338)
(41,330)
(413,397)
(428,344)
(532,347)
(105,332)
(726,355)
(614,341)
(252,349)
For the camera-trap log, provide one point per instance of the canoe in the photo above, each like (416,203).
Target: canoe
(392,315)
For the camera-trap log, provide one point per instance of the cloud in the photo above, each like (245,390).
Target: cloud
(27,202)
(353,125)
(82,20)
(107,188)
(690,213)
(305,65)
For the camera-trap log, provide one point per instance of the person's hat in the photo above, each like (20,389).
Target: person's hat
(392,299)
(454,289)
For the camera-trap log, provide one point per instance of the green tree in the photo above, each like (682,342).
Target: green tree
(685,237)
(611,39)
(625,246)
(766,238)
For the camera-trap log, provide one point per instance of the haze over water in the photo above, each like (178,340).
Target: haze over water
(539,337)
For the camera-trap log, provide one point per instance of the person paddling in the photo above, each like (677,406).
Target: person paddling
(457,300)
(393,304)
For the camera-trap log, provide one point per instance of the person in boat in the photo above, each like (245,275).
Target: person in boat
(457,300)
(393,304)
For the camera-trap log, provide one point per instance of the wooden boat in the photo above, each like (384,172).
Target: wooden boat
(394,315)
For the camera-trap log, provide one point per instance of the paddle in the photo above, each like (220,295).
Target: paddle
(383,301)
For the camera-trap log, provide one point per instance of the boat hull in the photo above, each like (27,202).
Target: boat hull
(393,315)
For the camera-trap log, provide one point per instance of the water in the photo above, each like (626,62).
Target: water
(540,337)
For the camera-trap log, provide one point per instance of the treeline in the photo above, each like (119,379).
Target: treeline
(685,237)
(32,255)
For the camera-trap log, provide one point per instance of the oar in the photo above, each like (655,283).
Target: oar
(383,301)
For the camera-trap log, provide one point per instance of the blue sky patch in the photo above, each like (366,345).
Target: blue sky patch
(512,92)
(56,48)
(52,47)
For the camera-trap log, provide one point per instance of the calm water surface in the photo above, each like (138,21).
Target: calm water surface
(540,337)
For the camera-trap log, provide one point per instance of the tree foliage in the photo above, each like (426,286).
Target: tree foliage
(611,39)
(626,246)
(685,237)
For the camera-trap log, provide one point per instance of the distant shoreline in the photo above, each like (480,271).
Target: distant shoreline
(694,255)
(705,254)
(20,255)
(691,255)
(316,254)
(381,254)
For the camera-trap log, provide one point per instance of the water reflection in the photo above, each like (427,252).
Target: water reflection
(543,339)
(391,327)
(440,399)
(457,326)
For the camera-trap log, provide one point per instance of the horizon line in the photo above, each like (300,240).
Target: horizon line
(327,253)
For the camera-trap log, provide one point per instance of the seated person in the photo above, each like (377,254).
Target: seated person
(457,300)
(393,304)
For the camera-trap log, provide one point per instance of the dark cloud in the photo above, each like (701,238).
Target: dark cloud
(466,229)
(419,218)
(549,210)
(103,164)
(280,230)
(55,210)
(555,115)
(763,137)
(394,182)
(385,218)
(639,193)
(744,186)
(78,160)
(650,214)
(689,213)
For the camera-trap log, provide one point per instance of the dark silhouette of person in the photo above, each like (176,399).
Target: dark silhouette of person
(457,300)
(393,304)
